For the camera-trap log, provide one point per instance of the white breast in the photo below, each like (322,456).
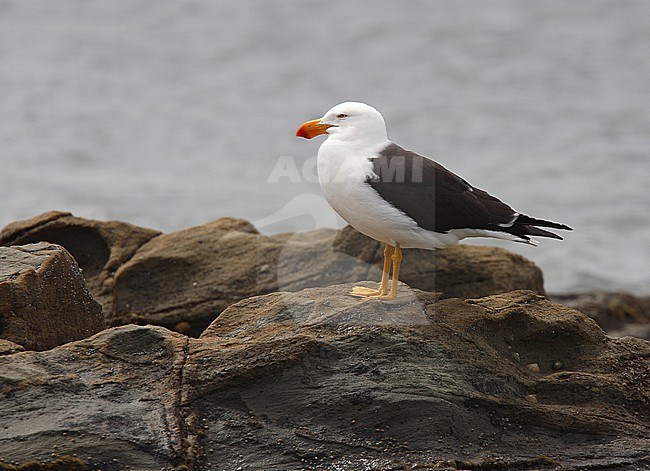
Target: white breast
(343,171)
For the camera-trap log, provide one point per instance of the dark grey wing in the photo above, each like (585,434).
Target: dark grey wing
(435,198)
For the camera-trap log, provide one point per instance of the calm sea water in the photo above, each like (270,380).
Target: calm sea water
(172,113)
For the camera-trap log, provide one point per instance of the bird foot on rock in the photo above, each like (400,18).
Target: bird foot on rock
(363,292)
(367,294)
(381,297)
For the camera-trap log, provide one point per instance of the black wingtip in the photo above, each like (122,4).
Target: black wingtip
(536,231)
(525,226)
(528,221)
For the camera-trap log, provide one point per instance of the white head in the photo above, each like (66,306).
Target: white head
(350,121)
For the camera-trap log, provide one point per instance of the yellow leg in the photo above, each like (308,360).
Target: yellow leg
(396,258)
(364,292)
(397,261)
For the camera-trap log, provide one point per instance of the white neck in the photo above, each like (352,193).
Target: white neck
(341,159)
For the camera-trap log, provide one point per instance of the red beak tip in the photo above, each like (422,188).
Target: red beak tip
(302,133)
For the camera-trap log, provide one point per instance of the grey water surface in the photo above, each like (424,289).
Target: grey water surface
(168,114)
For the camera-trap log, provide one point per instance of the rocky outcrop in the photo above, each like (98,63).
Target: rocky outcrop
(8,347)
(184,279)
(318,380)
(43,298)
(99,247)
(194,274)
(190,276)
(619,314)
(112,400)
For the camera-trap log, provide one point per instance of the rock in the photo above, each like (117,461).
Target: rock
(192,275)
(65,463)
(532,399)
(316,379)
(43,298)
(620,314)
(186,278)
(534,367)
(7,347)
(99,247)
(112,400)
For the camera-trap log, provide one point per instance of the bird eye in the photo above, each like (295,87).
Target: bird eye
(341,116)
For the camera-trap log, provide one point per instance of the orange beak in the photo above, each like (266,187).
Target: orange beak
(312,129)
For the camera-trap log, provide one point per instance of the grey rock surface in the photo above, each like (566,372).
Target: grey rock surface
(316,379)
(113,400)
